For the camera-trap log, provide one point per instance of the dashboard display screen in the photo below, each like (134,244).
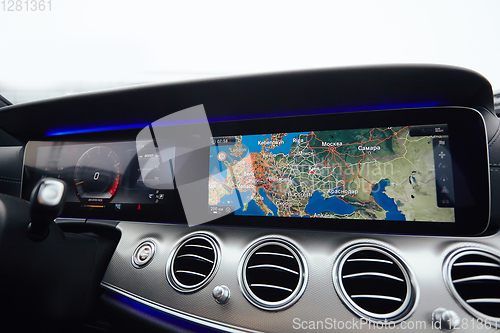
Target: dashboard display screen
(383,173)
(104,177)
(390,171)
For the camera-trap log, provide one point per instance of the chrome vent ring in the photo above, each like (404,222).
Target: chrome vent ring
(473,277)
(375,283)
(193,263)
(273,273)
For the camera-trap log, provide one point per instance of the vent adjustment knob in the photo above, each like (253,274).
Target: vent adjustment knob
(221,294)
(445,320)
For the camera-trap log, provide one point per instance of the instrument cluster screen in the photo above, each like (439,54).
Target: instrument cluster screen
(106,176)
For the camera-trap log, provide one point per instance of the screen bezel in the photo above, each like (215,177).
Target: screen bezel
(471,180)
(471,183)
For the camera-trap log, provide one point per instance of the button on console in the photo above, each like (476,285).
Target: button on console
(143,254)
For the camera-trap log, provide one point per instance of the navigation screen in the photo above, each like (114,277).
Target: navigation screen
(389,173)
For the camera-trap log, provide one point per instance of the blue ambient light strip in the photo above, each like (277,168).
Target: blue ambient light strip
(157,315)
(118,127)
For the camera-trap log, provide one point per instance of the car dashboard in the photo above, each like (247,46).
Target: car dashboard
(352,199)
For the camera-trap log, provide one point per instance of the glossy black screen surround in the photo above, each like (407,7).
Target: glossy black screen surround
(468,147)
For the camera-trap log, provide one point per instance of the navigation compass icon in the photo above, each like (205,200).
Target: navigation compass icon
(222,156)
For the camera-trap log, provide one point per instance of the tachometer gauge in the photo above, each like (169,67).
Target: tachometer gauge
(97,176)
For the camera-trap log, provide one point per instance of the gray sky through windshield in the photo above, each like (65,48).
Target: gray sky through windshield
(90,45)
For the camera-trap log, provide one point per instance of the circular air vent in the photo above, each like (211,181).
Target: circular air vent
(375,283)
(273,274)
(193,264)
(473,276)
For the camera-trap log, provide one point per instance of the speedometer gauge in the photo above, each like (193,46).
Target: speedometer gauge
(97,176)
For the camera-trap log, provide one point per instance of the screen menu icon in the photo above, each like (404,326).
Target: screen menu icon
(444,176)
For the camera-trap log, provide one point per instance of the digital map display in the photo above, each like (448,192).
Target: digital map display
(388,173)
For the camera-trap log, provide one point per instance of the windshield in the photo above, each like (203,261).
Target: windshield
(85,45)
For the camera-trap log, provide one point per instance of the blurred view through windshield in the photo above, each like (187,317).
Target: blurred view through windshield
(86,45)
